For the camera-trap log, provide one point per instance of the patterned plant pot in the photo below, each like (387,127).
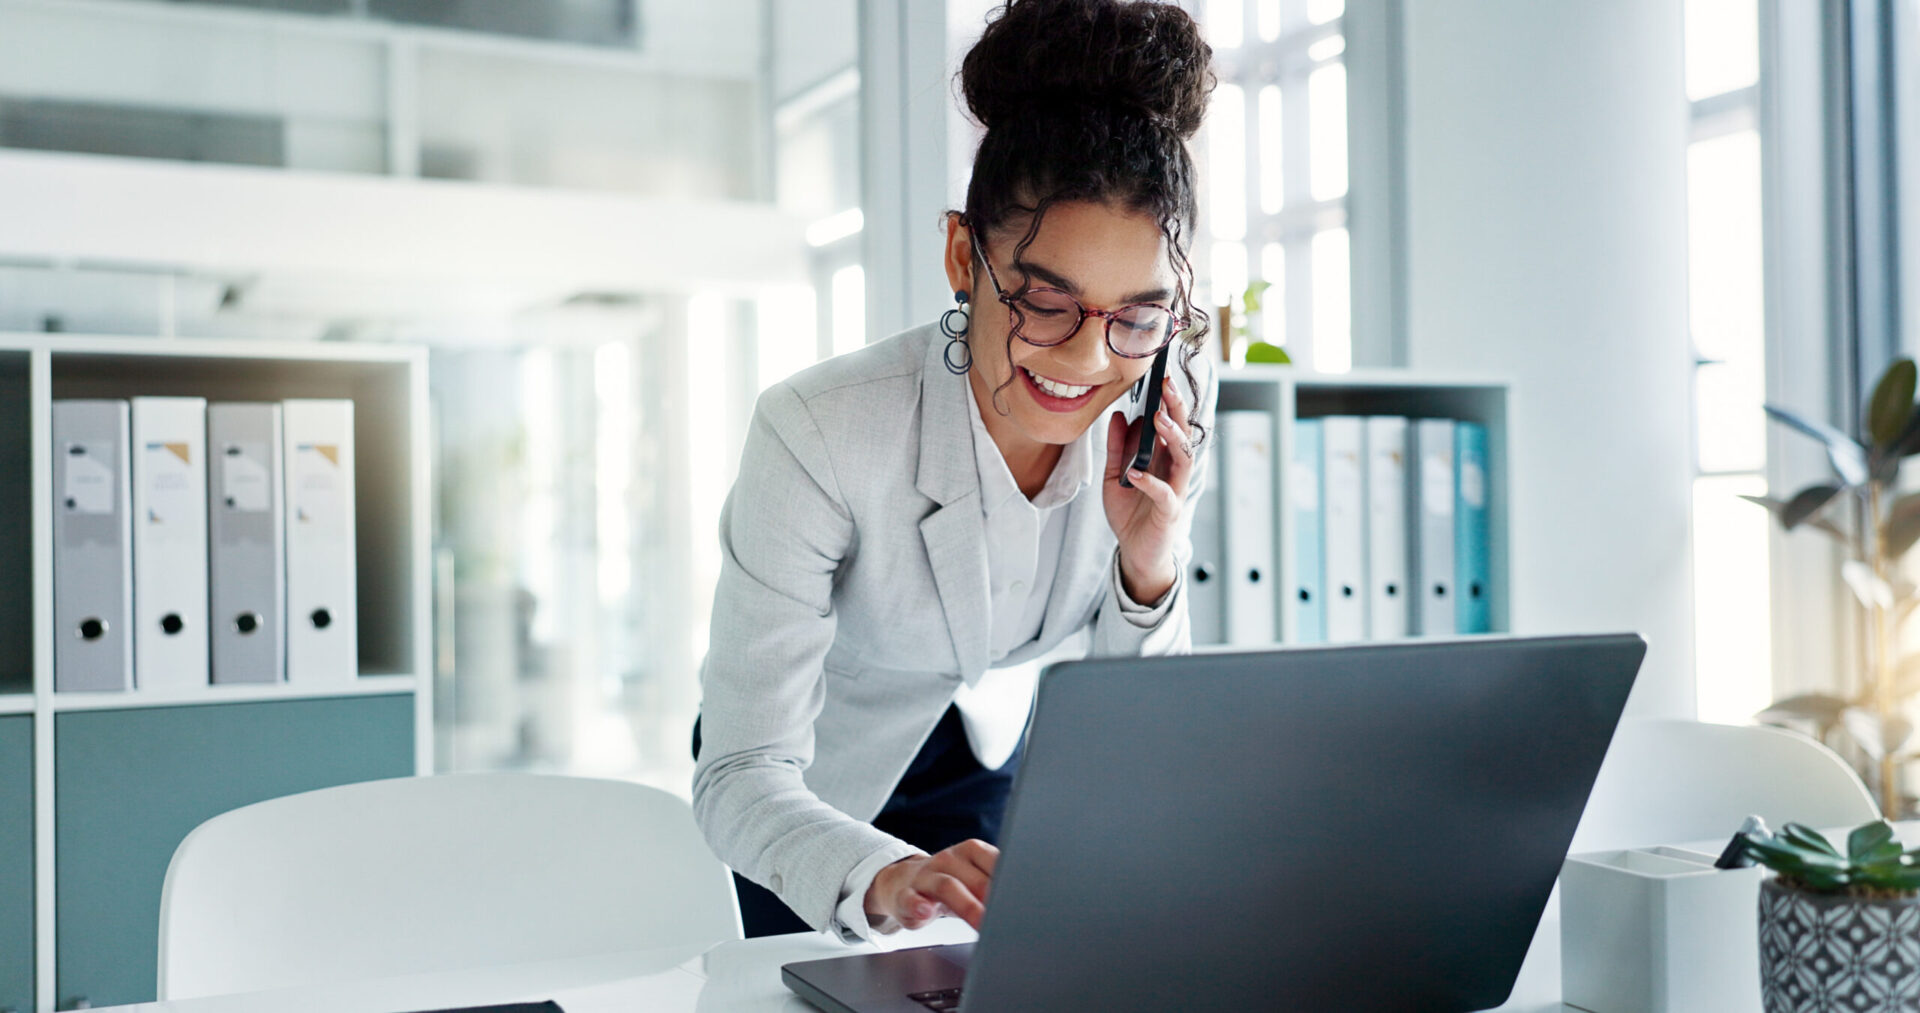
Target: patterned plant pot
(1827,953)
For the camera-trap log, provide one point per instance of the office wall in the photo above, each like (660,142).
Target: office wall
(1546,217)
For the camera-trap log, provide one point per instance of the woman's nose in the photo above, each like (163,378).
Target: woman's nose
(1087,350)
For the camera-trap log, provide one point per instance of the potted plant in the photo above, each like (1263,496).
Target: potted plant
(1862,510)
(1837,931)
(1240,328)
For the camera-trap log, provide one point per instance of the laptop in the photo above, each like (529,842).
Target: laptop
(1353,828)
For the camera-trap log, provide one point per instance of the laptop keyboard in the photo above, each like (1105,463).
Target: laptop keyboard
(942,999)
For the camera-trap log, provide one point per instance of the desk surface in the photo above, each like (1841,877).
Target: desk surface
(736,977)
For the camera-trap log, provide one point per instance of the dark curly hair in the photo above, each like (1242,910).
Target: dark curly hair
(1091,100)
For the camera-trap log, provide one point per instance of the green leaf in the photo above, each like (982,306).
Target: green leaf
(1807,837)
(1909,442)
(1848,457)
(1894,878)
(1892,403)
(1256,291)
(1260,351)
(1776,507)
(1779,851)
(1870,841)
(1806,503)
(1902,526)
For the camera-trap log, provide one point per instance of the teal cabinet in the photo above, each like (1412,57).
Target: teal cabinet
(16,863)
(129,785)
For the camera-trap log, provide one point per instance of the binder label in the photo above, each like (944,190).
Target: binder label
(316,488)
(1306,485)
(1473,483)
(168,473)
(244,479)
(89,485)
(1436,474)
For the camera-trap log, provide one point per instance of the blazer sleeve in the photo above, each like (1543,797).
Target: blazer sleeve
(783,533)
(1118,626)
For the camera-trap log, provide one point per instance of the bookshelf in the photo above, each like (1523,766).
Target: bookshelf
(113,781)
(1290,394)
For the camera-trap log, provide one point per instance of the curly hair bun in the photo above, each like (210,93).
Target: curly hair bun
(1138,58)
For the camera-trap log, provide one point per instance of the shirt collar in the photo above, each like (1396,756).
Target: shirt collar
(1072,473)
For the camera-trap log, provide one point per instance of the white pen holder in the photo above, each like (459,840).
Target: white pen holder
(1658,930)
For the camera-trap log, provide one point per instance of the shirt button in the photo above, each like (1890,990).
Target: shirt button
(1017,586)
(774,883)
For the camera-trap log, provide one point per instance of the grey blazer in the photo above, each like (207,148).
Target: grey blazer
(852,603)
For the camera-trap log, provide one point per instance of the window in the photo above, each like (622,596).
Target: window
(1727,323)
(816,142)
(1274,170)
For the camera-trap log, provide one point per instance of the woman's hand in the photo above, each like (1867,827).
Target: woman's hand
(1144,517)
(920,889)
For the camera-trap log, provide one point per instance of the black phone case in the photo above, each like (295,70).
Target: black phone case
(1143,455)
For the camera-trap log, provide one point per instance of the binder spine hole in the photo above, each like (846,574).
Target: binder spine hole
(1201,574)
(92,629)
(1306,595)
(171,623)
(1392,590)
(1439,590)
(247,622)
(1346,590)
(321,619)
(1473,590)
(1253,576)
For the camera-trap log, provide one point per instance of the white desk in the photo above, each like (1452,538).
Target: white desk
(737,977)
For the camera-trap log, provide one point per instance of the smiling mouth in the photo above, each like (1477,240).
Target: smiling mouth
(1063,391)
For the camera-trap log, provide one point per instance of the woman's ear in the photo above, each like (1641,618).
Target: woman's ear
(959,258)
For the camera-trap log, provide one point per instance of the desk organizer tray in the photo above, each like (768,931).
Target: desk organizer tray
(1658,930)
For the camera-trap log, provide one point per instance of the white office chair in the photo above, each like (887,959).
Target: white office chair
(435,873)
(1667,781)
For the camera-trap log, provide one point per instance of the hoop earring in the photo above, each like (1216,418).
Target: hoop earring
(955,323)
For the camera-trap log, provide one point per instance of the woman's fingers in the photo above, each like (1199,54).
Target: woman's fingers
(1165,500)
(956,880)
(1177,435)
(917,909)
(950,891)
(1117,455)
(979,853)
(1170,397)
(978,881)
(1178,440)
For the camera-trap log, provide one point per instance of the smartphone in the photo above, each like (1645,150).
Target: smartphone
(1150,406)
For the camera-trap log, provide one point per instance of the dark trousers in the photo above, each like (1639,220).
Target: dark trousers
(945,797)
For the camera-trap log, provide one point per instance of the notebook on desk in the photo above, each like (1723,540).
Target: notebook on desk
(1328,828)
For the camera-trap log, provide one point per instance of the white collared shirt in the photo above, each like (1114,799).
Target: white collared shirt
(1024,540)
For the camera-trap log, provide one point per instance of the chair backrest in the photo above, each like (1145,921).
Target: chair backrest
(435,873)
(1667,781)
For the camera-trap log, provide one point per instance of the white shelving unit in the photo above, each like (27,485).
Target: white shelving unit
(393,497)
(1292,394)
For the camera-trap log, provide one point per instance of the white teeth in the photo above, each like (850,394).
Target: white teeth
(1060,390)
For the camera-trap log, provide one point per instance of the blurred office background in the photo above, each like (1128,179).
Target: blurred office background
(614,222)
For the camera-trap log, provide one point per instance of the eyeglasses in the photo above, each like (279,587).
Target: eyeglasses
(1048,317)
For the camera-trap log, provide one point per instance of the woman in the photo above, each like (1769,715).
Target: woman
(915,520)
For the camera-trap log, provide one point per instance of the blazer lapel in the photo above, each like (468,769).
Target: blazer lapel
(1086,550)
(955,532)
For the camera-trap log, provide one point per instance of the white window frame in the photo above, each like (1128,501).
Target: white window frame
(1371,209)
